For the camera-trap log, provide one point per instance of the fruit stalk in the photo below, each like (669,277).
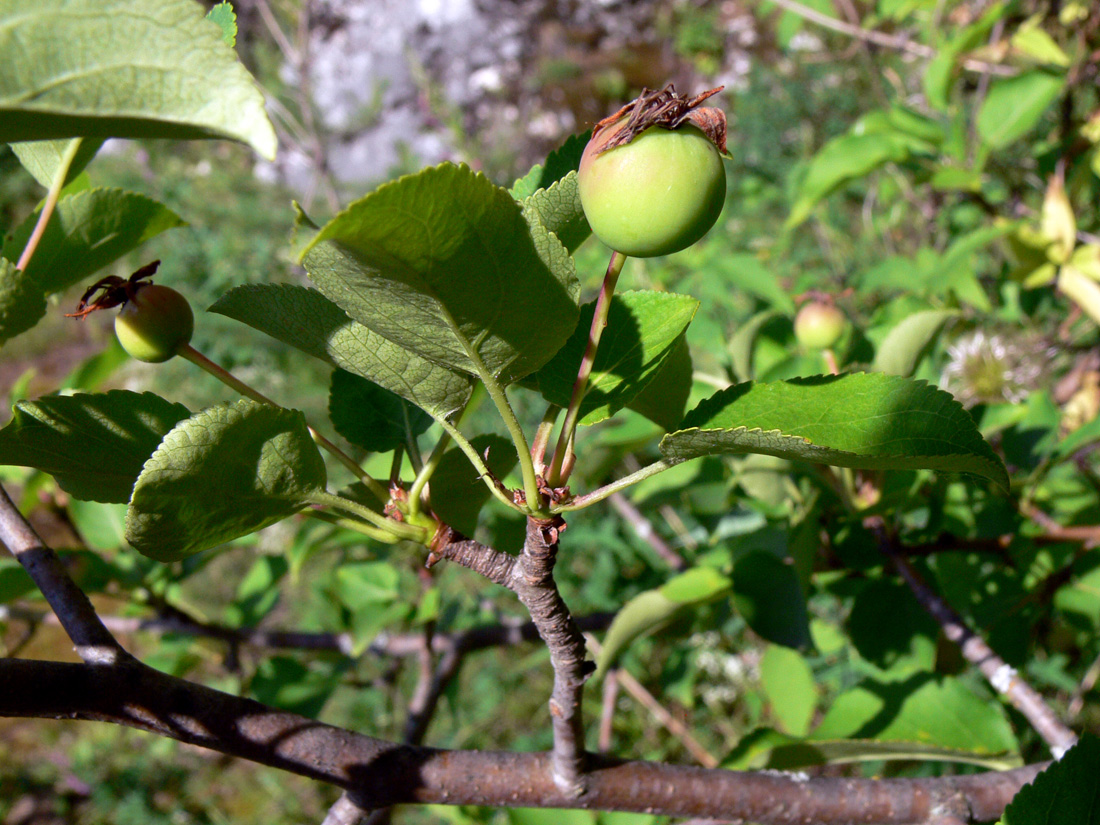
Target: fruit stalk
(562,463)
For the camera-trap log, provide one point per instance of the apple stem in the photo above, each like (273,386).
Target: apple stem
(230,380)
(561,465)
(56,185)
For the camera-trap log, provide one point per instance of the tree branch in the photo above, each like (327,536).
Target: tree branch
(381,773)
(885,40)
(531,577)
(94,643)
(1003,677)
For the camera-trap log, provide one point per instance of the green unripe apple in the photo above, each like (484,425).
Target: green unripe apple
(155,323)
(819,325)
(655,195)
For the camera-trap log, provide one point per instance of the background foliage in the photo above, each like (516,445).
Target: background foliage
(942,188)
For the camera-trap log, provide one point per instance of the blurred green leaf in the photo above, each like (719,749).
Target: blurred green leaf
(767,594)
(124,68)
(224,472)
(286,683)
(310,322)
(766,749)
(924,709)
(745,272)
(839,161)
(789,688)
(866,420)
(649,611)
(15,582)
(904,345)
(1014,106)
(93,445)
(445,264)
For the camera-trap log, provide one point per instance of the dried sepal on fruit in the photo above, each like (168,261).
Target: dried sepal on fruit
(155,321)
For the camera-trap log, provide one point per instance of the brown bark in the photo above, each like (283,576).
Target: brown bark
(381,773)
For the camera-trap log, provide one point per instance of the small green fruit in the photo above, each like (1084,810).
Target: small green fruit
(155,323)
(819,325)
(655,195)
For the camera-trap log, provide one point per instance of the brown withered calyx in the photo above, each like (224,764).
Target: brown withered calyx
(669,110)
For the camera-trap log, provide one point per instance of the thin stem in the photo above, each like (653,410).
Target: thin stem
(54,192)
(401,530)
(354,525)
(410,443)
(561,463)
(508,415)
(426,471)
(230,380)
(479,463)
(646,531)
(664,718)
(588,499)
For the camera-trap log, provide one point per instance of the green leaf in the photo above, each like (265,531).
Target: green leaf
(1015,105)
(766,749)
(101,526)
(368,584)
(745,272)
(742,345)
(866,421)
(1067,791)
(653,609)
(223,17)
(123,68)
(924,709)
(88,231)
(642,330)
(42,158)
(558,208)
(288,684)
(94,445)
(458,493)
(445,264)
(904,345)
(371,416)
(941,69)
(766,592)
(222,473)
(1033,41)
(307,320)
(789,688)
(22,302)
(663,399)
(559,163)
(15,582)
(839,161)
